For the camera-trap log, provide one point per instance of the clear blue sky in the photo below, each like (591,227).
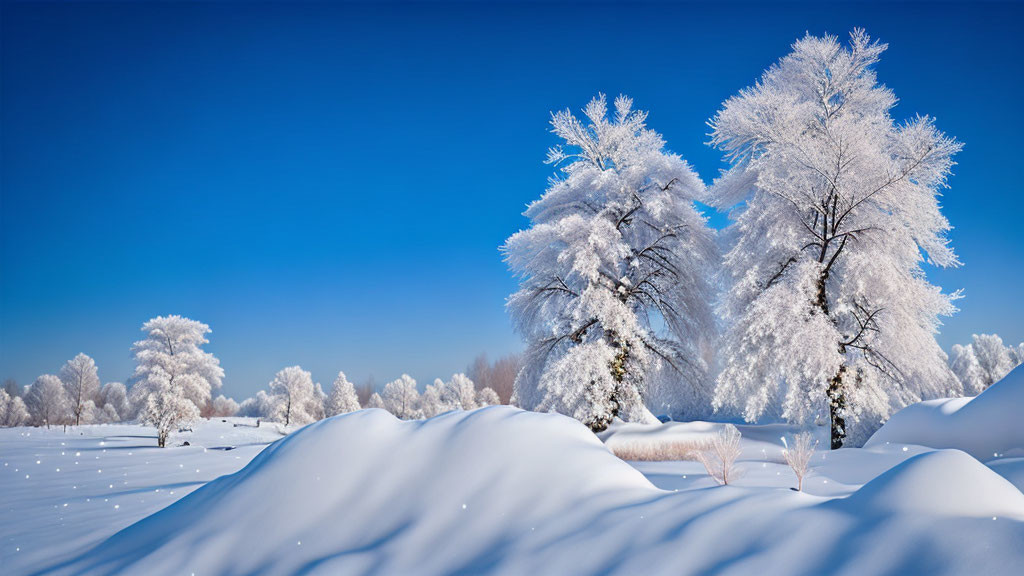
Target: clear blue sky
(328,185)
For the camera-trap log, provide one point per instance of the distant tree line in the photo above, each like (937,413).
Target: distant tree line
(174,381)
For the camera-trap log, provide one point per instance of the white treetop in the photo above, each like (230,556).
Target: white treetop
(487,397)
(47,402)
(92,413)
(613,272)
(343,398)
(12,410)
(265,405)
(173,345)
(430,401)
(81,382)
(984,361)
(223,407)
(459,393)
(173,376)
(401,398)
(375,401)
(828,306)
(294,397)
(249,408)
(115,395)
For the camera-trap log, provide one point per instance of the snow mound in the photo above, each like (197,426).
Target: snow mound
(363,492)
(984,427)
(941,483)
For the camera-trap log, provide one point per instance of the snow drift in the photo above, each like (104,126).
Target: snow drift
(499,490)
(984,426)
(941,483)
(360,492)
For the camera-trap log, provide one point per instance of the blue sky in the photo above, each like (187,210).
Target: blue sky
(328,185)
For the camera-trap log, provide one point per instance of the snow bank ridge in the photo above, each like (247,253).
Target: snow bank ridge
(358,493)
(984,426)
(941,483)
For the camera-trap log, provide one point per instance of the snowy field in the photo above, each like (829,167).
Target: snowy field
(499,490)
(61,493)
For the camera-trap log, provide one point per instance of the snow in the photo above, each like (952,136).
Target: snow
(986,427)
(945,482)
(499,490)
(62,493)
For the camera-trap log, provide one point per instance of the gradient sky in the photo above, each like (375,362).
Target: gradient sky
(328,185)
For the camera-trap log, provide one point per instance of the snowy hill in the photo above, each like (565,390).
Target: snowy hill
(503,491)
(986,427)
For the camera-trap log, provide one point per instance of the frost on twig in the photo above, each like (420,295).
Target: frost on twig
(799,455)
(719,454)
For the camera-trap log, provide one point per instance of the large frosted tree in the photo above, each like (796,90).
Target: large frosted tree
(613,267)
(829,310)
(81,382)
(174,376)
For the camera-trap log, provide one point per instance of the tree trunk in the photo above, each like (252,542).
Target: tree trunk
(618,369)
(835,393)
(836,405)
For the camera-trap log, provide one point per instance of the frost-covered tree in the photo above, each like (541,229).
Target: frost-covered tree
(719,453)
(613,272)
(81,382)
(93,413)
(401,398)
(262,405)
(965,365)
(829,311)
(173,346)
(173,376)
(799,455)
(12,411)
(115,395)
(318,408)
(487,397)
(343,397)
(249,408)
(376,401)
(983,362)
(165,405)
(430,401)
(223,407)
(459,393)
(47,402)
(294,397)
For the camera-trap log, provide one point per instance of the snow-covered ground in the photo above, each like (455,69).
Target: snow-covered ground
(61,493)
(500,490)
